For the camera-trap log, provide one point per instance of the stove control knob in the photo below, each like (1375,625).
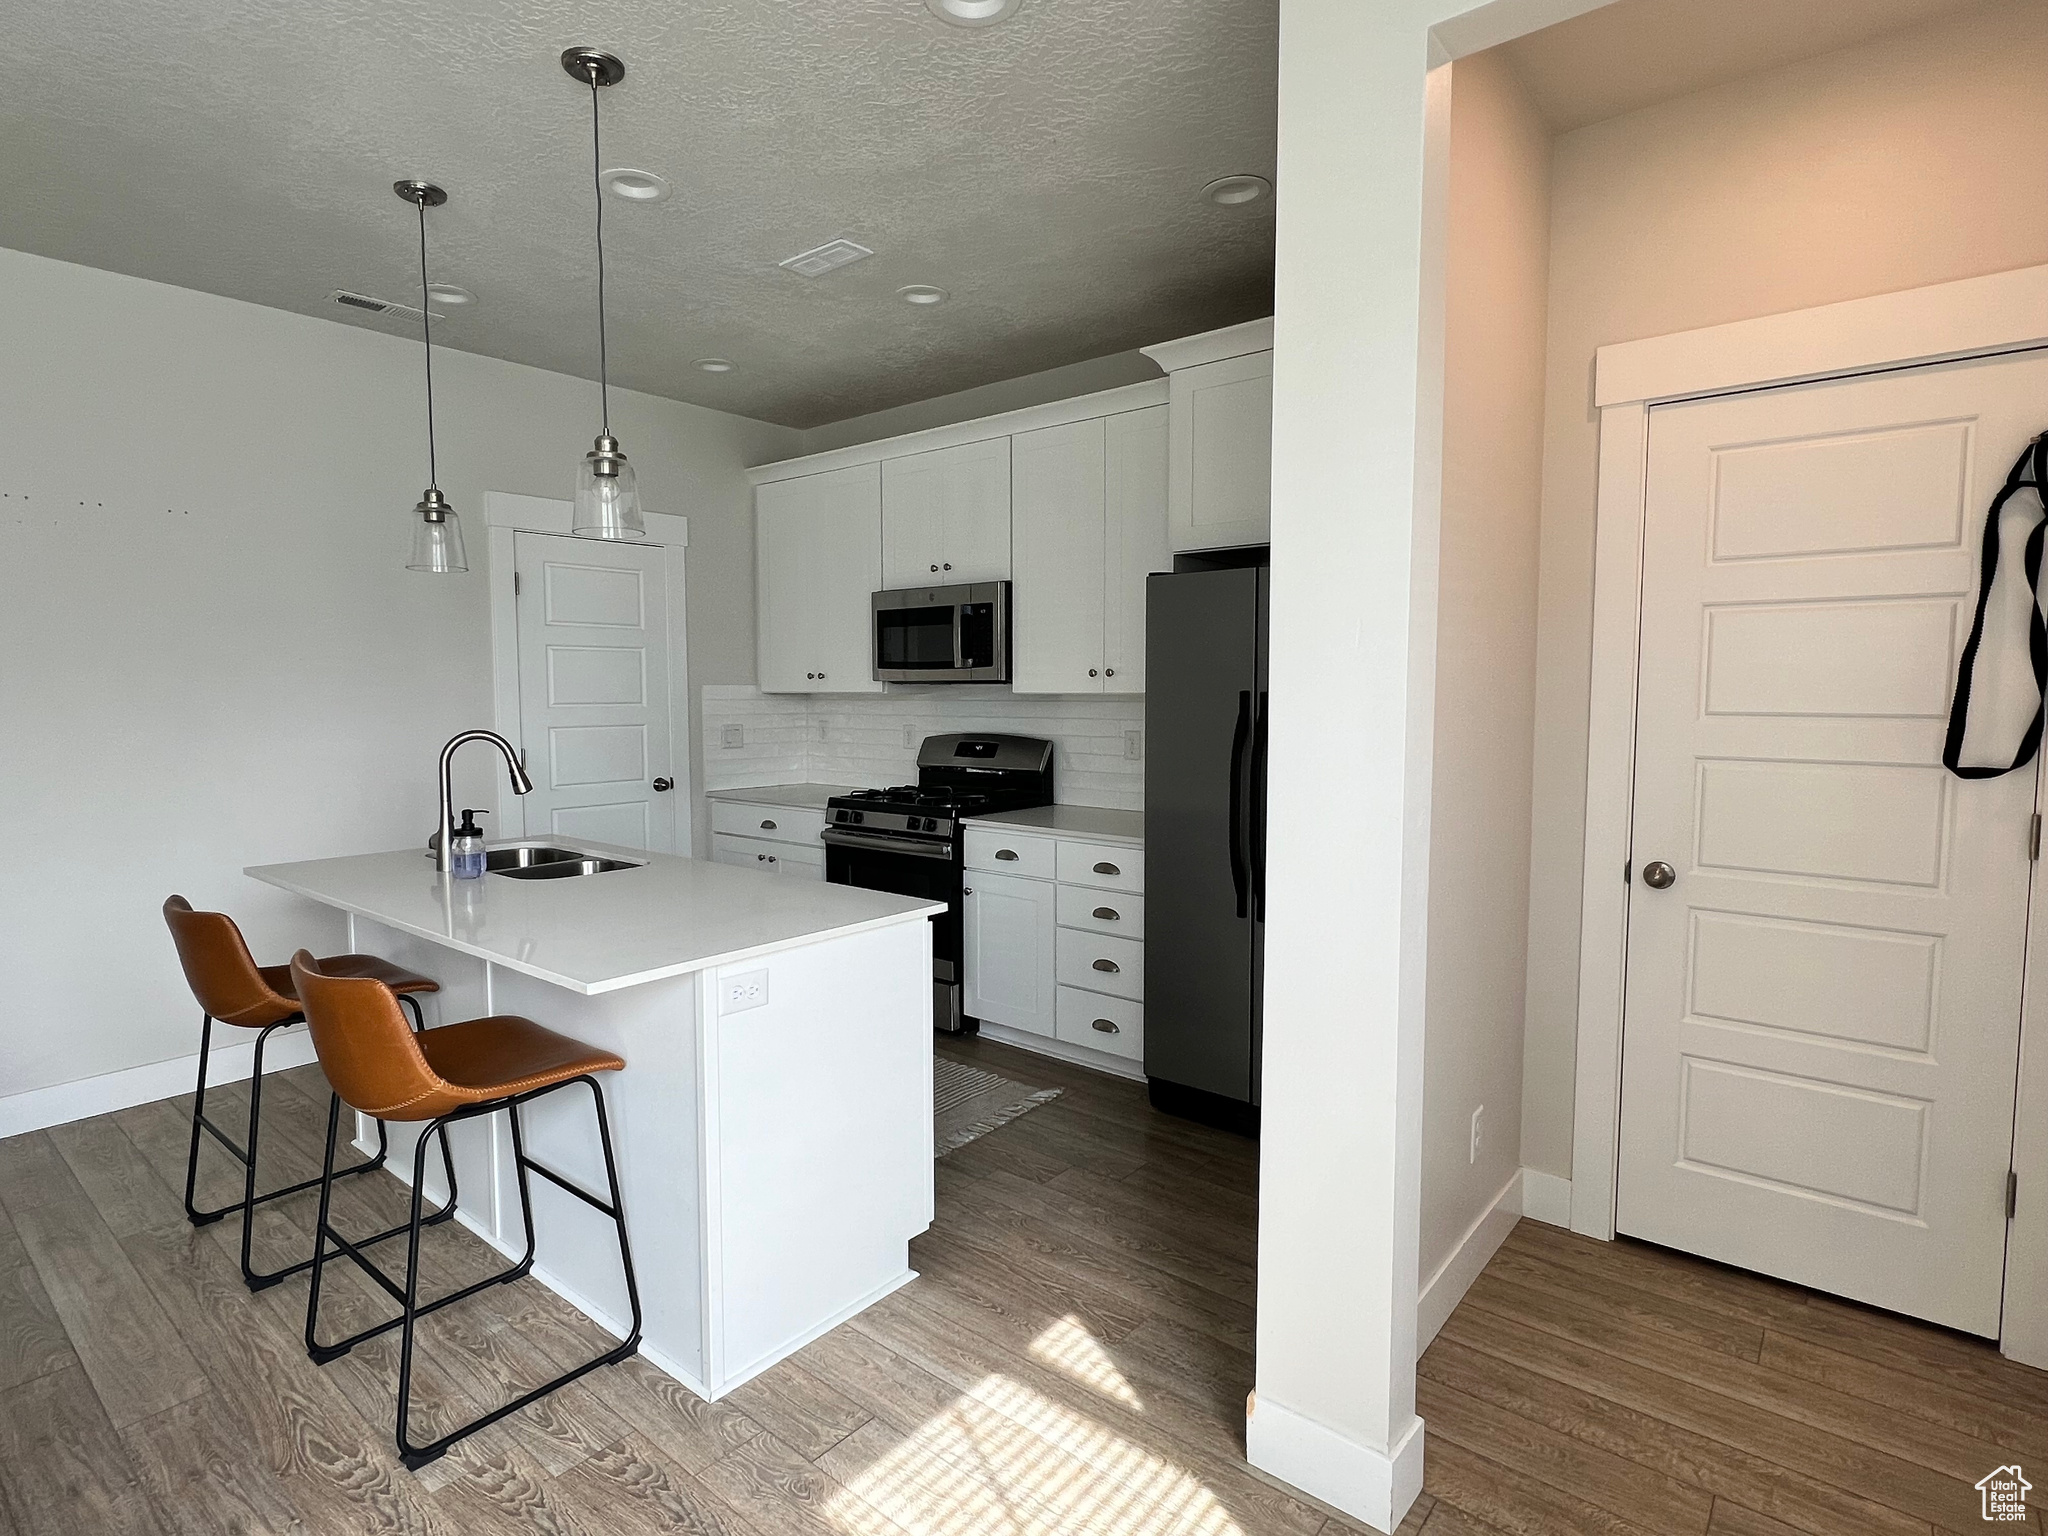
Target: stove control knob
(860,815)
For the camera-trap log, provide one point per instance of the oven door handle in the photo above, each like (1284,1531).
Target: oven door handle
(888,844)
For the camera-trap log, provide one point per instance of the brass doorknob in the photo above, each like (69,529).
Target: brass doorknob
(1658,875)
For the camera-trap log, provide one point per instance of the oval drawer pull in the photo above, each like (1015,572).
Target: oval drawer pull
(1007,855)
(767,826)
(1105,1026)
(1109,914)
(1107,868)
(1108,965)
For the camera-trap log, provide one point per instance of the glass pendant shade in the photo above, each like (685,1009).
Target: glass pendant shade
(607,495)
(436,537)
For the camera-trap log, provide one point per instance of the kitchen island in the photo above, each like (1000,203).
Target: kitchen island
(773,1124)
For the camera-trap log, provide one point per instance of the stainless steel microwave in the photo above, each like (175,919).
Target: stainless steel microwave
(943,634)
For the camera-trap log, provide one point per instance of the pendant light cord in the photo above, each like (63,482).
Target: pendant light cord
(604,403)
(427,334)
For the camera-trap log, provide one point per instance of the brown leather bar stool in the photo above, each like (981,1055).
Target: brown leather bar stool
(442,1076)
(232,988)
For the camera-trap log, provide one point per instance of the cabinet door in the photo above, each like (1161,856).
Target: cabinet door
(817,565)
(1056,530)
(1220,493)
(1008,952)
(747,853)
(946,515)
(1134,539)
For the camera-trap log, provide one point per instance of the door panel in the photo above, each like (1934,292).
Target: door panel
(1056,478)
(948,509)
(1822,1010)
(1134,544)
(594,689)
(818,564)
(1008,958)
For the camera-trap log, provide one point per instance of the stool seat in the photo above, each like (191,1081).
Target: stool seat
(496,1057)
(279,977)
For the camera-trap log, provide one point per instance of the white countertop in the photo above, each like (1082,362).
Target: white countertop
(795,797)
(1089,821)
(596,933)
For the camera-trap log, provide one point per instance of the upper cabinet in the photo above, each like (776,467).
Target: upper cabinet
(1088,508)
(946,516)
(817,565)
(1220,476)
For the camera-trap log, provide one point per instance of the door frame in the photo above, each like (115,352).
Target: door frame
(506,515)
(1972,318)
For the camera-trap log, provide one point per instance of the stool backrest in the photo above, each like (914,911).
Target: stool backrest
(366,1048)
(220,970)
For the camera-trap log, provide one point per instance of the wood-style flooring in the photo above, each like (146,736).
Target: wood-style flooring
(1073,1359)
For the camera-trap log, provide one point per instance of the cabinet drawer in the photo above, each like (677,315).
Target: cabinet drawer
(1113,1024)
(1099,963)
(1102,865)
(1099,911)
(1008,854)
(752,853)
(774,822)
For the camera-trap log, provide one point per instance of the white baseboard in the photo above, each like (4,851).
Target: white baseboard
(1546,1198)
(1079,1055)
(61,1103)
(1362,1481)
(1442,1291)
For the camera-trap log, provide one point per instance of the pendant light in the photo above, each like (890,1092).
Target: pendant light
(607,496)
(436,535)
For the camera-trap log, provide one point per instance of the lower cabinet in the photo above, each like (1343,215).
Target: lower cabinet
(773,839)
(1055,957)
(1008,947)
(769,858)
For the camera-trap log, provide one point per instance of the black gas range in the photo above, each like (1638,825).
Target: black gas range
(907,839)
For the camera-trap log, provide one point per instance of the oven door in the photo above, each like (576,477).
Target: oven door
(927,871)
(943,634)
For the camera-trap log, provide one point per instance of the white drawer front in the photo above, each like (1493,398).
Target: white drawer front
(1008,854)
(1112,1024)
(774,822)
(1102,964)
(1103,865)
(1099,911)
(752,853)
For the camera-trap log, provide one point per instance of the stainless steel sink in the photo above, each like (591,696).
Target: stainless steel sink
(548,863)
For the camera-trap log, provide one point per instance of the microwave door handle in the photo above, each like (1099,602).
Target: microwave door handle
(959,637)
(1240,743)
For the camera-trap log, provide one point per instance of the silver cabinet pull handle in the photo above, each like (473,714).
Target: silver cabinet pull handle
(771,858)
(1091,671)
(1108,914)
(760,858)
(1105,1026)
(1109,671)
(767,826)
(1007,855)
(1107,868)
(1108,965)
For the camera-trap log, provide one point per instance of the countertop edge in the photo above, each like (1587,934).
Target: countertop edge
(1001,821)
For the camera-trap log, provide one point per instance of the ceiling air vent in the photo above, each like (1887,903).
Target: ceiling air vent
(376,306)
(825,258)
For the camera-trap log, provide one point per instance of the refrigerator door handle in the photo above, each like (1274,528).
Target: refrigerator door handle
(1240,744)
(1258,808)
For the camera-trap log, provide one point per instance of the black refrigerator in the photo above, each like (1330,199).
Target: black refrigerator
(1205,842)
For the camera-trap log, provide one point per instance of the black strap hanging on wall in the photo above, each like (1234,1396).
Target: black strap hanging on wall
(2029,472)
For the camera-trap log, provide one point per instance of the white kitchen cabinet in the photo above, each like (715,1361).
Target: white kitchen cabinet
(1009,952)
(817,565)
(1220,458)
(1088,525)
(773,858)
(946,516)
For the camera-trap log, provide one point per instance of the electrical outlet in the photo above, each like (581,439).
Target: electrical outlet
(748,989)
(1134,746)
(734,736)
(909,734)
(1477,1116)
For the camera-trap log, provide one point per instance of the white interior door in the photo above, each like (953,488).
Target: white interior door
(1823,1006)
(594,689)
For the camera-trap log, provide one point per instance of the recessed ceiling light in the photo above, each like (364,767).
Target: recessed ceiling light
(714,365)
(1232,190)
(973,13)
(635,186)
(922,293)
(449,296)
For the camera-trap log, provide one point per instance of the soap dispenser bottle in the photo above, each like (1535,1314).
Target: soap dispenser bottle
(467,850)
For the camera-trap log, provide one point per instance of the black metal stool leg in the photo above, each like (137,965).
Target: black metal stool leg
(197,1217)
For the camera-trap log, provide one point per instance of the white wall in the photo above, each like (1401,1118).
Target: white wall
(213,654)
(1902,162)
(1075,379)
(1498,250)
(872,740)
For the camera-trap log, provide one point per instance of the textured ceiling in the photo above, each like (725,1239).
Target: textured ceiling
(1635,52)
(1046,171)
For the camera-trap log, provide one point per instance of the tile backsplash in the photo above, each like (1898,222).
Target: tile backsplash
(872,739)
